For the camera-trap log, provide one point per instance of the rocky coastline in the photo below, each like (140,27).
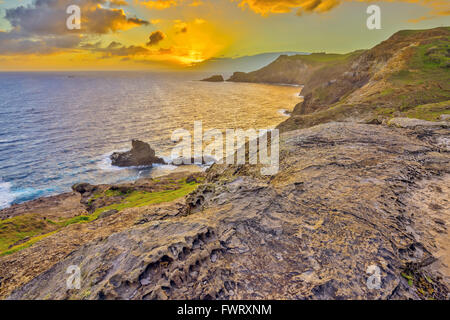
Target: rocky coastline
(363,185)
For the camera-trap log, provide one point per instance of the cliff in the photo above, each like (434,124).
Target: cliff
(406,75)
(296,69)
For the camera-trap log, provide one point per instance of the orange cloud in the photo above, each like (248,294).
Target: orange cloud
(160,4)
(118,3)
(266,7)
(196,3)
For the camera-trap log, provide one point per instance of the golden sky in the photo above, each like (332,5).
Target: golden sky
(177,34)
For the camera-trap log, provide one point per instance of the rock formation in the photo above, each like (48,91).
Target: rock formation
(141,154)
(215,78)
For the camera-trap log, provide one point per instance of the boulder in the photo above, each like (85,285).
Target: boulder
(83,188)
(141,154)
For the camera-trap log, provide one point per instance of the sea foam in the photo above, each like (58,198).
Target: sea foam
(6,195)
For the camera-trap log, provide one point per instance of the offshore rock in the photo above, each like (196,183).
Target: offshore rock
(141,154)
(215,78)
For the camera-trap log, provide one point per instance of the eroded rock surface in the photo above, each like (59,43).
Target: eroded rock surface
(347,197)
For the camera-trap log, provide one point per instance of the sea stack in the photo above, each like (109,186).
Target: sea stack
(141,154)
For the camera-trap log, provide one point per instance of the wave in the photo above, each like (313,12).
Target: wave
(6,196)
(105,162)
(284,112)
(10,195)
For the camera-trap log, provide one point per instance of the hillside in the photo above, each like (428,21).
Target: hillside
(406,75)
(297,69)
(244,63)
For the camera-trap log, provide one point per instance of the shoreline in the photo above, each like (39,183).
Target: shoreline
(104,163)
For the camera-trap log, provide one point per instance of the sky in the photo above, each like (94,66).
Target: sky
(178,34)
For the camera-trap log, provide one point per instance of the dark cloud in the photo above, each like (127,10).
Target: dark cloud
(116,49)
(156,37)
(49,17)
(12,43)
(40,27)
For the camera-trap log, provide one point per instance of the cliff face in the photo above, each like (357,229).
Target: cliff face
(348,197)
(296,69)
(406,75)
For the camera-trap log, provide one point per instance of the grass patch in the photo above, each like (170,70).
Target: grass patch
(18,228)
(430,112)
(32,226)
(322,57)
(26,244)
(141,198)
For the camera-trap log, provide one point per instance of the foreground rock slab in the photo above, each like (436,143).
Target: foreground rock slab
(346,200)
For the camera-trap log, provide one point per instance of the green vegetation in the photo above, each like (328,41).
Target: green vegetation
(432,56)
(430,112)
(22,227)
(322,57)
(423,83)
(27,244)
(31,228)
(429,63)
(408,277)
(141,198)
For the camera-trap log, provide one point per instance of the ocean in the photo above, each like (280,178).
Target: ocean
(59,128)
